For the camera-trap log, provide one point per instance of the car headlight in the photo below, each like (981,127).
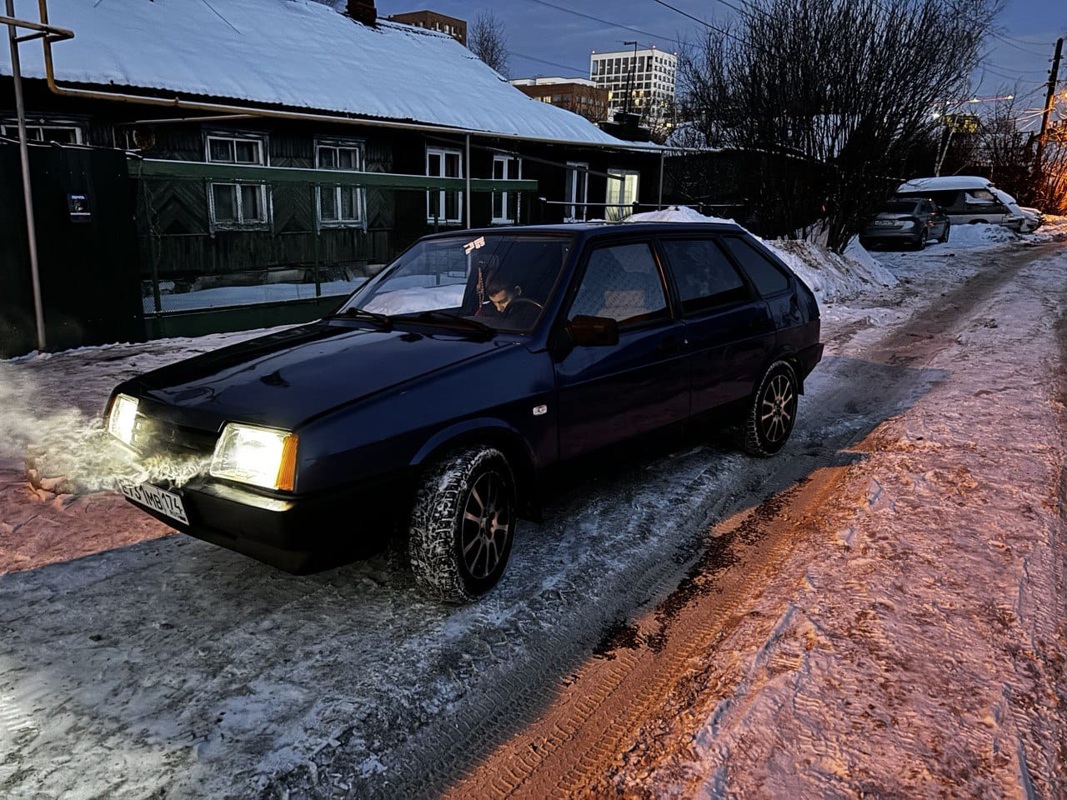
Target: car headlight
(260,456)
(122,418)
(907,224)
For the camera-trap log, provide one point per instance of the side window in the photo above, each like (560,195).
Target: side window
(61,133)
(237,205)
(444,205)
(577,190)
(623,283)
(980,197)
(506,204)
(340,205)
(763,272)
(621,193)
(704,274)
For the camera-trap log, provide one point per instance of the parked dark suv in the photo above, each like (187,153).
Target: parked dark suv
(445,388)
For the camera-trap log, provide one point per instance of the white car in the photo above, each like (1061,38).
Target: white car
(968,199)
(1036,216)
(1032,218)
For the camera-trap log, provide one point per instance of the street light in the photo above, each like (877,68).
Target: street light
(630,78)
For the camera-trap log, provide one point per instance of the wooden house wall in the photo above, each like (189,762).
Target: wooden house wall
(175,240)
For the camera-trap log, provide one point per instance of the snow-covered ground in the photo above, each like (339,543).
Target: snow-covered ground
(881,673)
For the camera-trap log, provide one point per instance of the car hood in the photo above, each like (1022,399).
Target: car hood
(288,378)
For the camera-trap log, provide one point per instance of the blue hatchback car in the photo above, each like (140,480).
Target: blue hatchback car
(446,388)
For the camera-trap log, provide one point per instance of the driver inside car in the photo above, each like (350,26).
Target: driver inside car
(504,301)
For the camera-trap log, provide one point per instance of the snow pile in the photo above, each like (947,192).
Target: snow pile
(833,277)
(1054,229)
(674,214)
(980,234)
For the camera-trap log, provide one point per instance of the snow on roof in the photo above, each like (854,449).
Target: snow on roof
(945,182)
(294,53)
(674,214)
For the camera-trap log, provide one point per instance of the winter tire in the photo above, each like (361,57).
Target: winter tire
(462,525)
(772,412)
(944,236)
(923,239)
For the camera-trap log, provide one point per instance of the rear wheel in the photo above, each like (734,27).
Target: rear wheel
(462,525)
(772,411)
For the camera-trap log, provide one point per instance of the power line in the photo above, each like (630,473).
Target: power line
(1011,43)
(605,21)
(703,22)
(549,63)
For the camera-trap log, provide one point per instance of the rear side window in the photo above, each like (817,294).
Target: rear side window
(704,274)
(764,273)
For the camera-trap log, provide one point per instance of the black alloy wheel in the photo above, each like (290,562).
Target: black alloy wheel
(463,525)
(773,411)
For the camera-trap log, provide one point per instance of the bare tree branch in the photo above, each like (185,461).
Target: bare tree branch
(489,41)
(836,94)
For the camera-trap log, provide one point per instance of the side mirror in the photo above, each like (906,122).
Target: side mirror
(586,331)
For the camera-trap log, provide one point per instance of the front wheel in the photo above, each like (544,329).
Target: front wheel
(772,411)
(462,525)
(948,230)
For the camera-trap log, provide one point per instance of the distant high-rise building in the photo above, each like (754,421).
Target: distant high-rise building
(574,94)
(640,81)
(431,20)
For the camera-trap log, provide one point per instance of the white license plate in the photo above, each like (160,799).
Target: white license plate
(885,223)
(153,497)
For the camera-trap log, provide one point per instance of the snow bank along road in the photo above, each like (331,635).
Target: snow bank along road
(877,611)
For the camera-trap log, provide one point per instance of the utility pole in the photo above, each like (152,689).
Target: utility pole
(1050,98)
(24,158)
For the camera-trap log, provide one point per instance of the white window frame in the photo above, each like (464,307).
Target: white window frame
(443,154)
(240,222)
(10,129)
(620,195)
(506,205)
(358,218)
(577,190)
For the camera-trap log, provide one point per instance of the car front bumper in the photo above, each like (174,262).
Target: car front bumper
(294,534)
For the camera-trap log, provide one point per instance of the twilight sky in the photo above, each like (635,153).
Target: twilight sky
(556,37)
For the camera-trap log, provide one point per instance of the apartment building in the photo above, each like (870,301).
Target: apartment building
(639,81)
(574,94)
(431,20)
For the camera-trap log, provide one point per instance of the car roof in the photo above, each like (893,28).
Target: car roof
(945,182)
(598,229)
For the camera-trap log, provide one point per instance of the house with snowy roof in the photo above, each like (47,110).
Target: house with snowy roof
(252,143)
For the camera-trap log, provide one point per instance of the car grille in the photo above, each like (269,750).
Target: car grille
(154,437)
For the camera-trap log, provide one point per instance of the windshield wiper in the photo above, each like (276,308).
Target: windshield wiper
(438,316)
(383,321)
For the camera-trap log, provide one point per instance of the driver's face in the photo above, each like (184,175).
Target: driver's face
(501,299)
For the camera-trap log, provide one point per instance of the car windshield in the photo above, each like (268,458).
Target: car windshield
(900,206)
(499,280)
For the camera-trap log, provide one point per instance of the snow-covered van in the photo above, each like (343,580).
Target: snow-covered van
(967,199)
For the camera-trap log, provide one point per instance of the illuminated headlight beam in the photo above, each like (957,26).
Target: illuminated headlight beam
(258,456)
(123,418)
